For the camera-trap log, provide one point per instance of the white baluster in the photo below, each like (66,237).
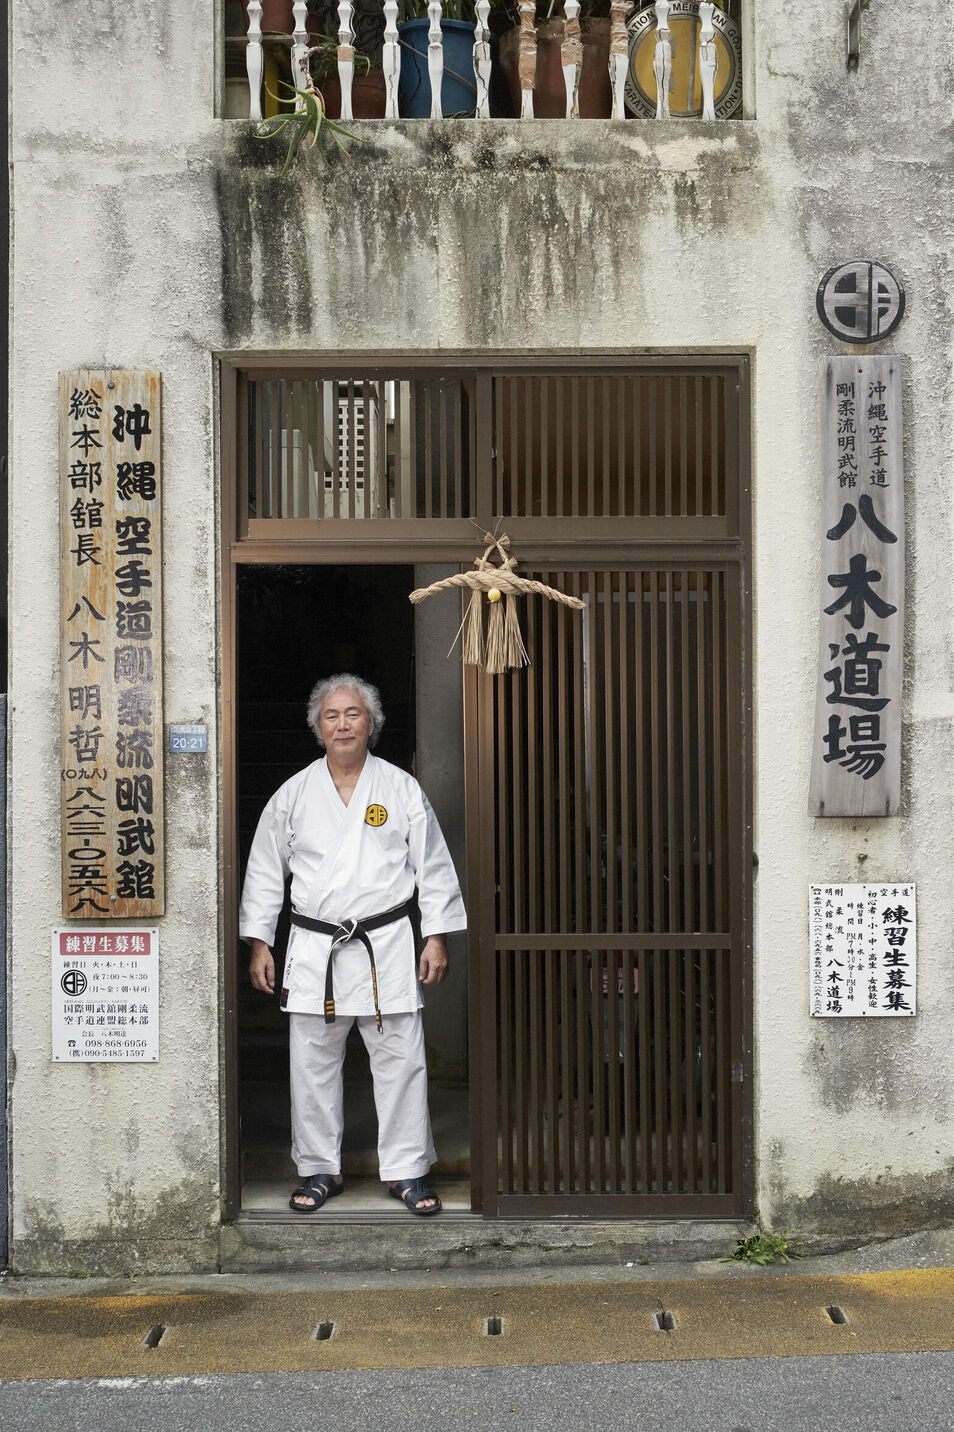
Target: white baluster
(662,59)
(693,42)
(435,57)
(527,56)
(390,60)
(255,59)
(571,53)
(482,59)
(708,58)
(619,53)
(299,58)
(345,56)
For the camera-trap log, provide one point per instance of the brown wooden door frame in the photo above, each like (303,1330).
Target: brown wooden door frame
(560,541)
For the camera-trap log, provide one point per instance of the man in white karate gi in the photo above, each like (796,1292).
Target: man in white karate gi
(357,835)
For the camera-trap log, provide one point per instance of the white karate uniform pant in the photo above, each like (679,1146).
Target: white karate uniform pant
(399,1071)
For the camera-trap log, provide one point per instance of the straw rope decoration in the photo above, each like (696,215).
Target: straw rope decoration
(503,647)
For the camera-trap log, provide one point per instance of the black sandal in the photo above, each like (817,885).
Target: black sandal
(320,1187)
(410,1191)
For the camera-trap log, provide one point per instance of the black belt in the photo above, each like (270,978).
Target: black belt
(340,935)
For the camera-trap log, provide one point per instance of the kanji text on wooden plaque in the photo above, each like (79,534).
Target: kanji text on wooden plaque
(856,762)
(111,719)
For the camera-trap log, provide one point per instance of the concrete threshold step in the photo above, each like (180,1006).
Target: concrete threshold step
(263,1242)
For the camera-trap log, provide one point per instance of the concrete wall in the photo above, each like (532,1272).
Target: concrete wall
(150,234)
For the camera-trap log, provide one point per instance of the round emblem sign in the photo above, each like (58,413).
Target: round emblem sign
(375,815)
(860,302)
(685,90)
(73,982)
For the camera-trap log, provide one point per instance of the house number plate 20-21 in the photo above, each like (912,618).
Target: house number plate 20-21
(191,739)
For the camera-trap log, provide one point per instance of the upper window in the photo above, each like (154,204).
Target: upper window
(600,442)
(586,59)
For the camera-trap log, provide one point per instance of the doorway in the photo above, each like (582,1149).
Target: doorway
(607,806)
(296,624)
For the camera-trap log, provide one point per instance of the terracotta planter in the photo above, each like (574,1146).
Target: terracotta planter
(368,95)
(549,95)
(278,17)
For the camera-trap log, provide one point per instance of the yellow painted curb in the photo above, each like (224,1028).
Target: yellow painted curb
(446,1327)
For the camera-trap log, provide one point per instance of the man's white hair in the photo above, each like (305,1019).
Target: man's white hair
(370,700)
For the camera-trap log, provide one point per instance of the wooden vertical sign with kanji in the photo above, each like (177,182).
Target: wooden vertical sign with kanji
(111,722)
(856,761)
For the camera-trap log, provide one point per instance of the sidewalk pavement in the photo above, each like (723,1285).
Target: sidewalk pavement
(896,1296)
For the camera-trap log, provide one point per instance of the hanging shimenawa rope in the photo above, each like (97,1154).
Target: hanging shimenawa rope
(503,647)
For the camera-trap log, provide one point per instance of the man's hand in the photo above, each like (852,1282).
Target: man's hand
(261,967)
(434,962)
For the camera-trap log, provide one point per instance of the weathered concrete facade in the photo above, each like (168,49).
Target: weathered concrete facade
(150,234)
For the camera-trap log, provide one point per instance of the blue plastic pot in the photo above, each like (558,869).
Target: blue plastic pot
(458,89)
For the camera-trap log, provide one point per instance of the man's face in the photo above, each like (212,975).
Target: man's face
(344,722)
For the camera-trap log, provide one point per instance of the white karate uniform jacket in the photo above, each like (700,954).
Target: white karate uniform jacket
(351,861)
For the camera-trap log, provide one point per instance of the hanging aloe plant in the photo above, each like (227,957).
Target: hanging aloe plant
(310,127)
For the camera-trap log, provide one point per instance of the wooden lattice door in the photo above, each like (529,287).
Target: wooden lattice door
(611,906)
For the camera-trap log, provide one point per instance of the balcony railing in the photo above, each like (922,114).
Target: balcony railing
(671,58)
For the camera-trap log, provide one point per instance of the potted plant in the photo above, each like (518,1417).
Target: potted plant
(368,94)
(595,97)
(278,17)
(458,85)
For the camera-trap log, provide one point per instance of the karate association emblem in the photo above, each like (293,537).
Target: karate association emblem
(860,302)
(685,84)
(375,815)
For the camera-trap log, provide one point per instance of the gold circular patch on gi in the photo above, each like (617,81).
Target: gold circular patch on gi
(375,815)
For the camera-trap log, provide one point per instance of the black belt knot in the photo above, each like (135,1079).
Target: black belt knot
(342,934)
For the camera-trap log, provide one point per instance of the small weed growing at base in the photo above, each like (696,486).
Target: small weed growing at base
(765,1248)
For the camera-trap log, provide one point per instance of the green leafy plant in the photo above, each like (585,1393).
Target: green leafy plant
(763,1247)
(450,10)
(323,56)
(310,127)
